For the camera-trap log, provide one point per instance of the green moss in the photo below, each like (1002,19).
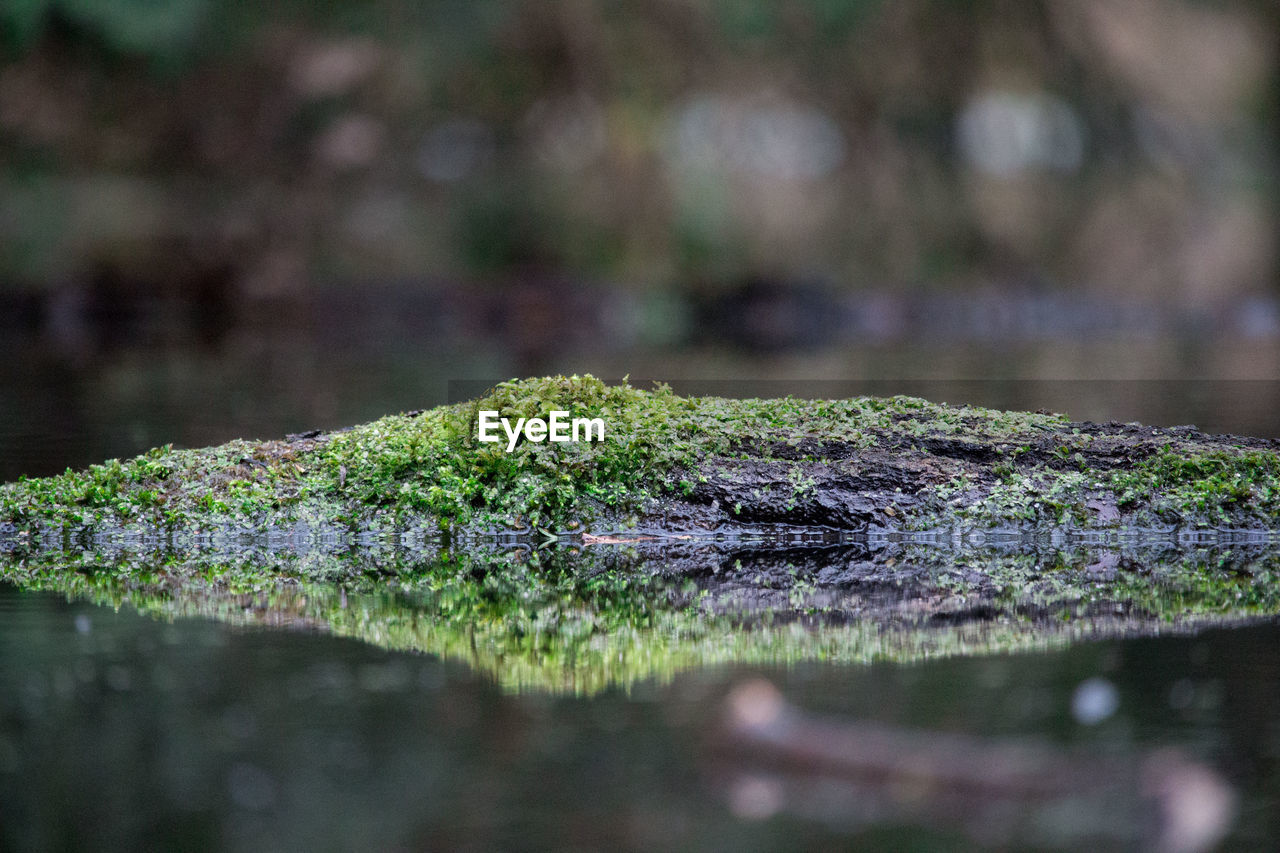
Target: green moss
(1205,485)
(607,617)
(983,467)
(561,622)
(432,463)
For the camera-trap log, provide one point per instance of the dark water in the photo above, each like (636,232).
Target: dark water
(119,731)
(75,393)
(314,719)
(1104,696)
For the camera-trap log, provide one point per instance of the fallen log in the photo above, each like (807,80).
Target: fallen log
(661,463)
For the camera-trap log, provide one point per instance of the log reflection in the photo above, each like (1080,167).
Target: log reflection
(775,758)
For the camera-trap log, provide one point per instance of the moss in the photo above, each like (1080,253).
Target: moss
(1204,485)
(975,466)
(563,622)
(343,532)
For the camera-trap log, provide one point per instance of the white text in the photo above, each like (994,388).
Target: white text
(559,427)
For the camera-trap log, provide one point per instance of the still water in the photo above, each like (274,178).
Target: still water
(392,694)
(1021,695)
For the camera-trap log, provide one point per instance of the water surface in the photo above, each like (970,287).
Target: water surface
(299,688)
(401,694)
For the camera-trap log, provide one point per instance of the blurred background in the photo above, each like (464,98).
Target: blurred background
(223,220)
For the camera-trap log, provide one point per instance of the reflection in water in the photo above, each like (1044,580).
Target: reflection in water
(994,790)
(583,618)
(569,668)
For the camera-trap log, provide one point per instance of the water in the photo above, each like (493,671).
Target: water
(392,693)
(121,731)
(556,698)
(350,357)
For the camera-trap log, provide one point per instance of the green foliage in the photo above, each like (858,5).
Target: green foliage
(434,463)
(22,21)
(584,623)
(1203,484)
(657,445)
(744,20)
(499,231)
(160,29)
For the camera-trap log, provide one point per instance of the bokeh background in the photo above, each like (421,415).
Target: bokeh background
(222,219)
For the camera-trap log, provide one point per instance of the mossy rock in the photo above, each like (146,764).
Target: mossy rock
(694,464)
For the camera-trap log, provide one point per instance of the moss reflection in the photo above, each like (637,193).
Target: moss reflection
(581,622)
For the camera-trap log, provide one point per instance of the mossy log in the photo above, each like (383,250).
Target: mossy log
(684,464)
(755,531)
